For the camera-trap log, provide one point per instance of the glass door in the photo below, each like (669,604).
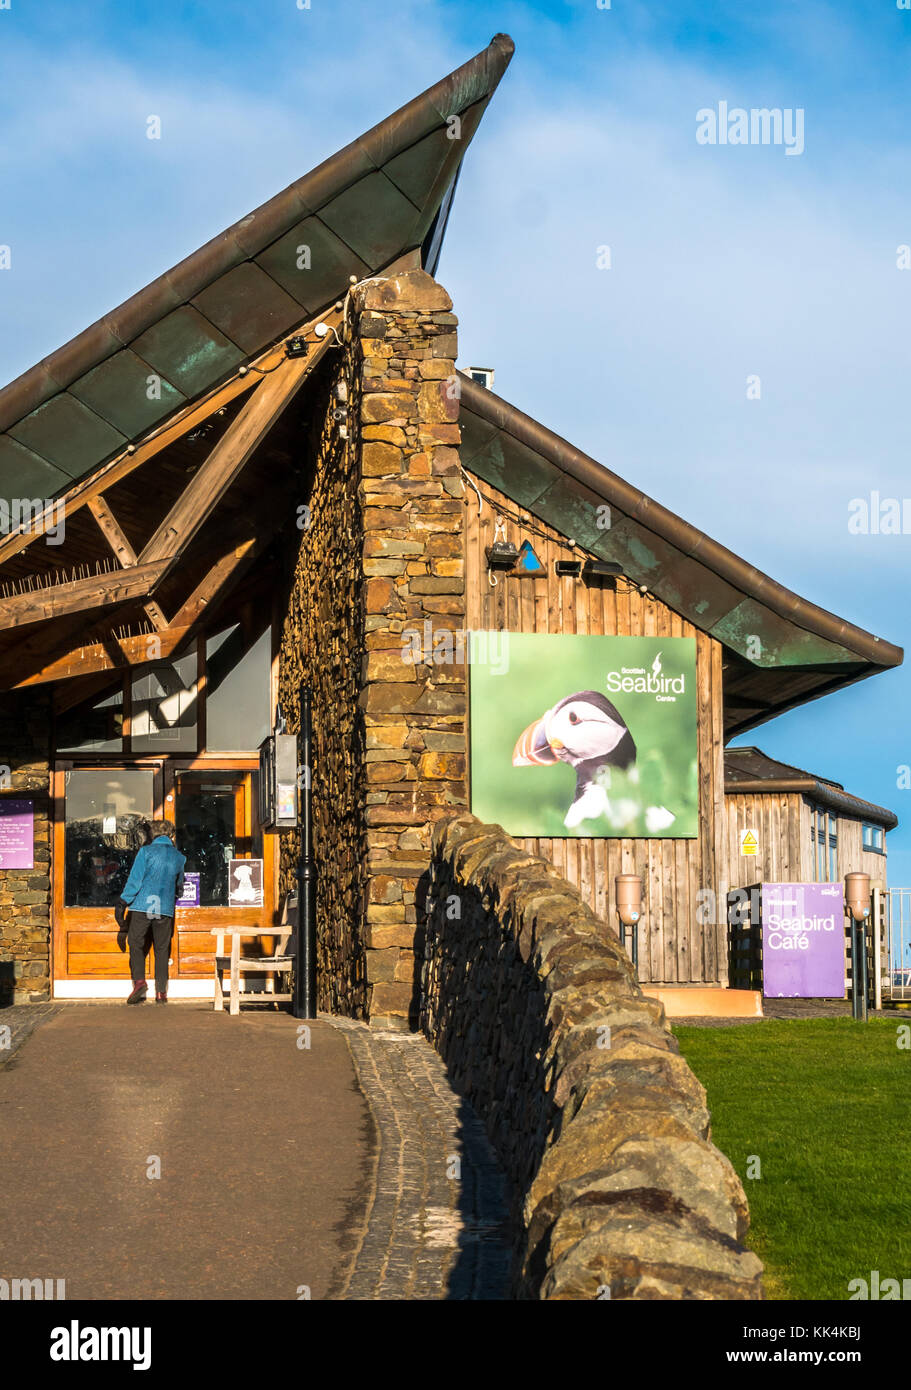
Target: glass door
(215,812)
(102,818)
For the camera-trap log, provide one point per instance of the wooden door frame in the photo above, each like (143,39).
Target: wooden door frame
(203,918)
(59,910)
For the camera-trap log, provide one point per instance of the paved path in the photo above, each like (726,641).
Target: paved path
(789,1009)
(436,1225)
(343,1170)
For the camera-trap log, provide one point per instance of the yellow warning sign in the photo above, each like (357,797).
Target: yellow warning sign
(748,842)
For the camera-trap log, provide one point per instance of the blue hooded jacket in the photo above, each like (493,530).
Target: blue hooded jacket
(155,879)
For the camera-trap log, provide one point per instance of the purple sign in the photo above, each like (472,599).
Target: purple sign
(190,895)
(803,940)
(17,835)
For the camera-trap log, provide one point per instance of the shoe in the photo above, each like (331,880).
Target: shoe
(140,990)
(161,998)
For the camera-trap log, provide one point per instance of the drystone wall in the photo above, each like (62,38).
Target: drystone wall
(600,1124)
(25,974)
(321,644)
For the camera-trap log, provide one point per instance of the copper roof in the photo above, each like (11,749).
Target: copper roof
(749,770)
(380,197)
(781,649)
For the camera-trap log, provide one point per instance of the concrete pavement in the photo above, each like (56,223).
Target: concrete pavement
(172,1152)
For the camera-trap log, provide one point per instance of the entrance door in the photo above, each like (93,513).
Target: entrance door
(215,810)
(100,824)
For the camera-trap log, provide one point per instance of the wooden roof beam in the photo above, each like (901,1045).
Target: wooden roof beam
(80,595)
(115,653)
(134,456)
(228,458)
(120,545)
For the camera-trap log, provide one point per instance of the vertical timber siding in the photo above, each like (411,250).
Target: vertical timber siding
(675,947)
(785,853)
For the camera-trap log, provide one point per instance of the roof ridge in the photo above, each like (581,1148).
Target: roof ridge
(470,83)
(686,537)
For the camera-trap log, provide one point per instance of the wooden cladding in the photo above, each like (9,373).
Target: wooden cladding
(781,823)
(675,946)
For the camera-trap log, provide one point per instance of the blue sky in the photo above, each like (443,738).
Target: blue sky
(727,261)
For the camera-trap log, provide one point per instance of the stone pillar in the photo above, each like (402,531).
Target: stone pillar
(25,964)
(413,680)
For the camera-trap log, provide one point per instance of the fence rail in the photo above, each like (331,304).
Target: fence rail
(896,912)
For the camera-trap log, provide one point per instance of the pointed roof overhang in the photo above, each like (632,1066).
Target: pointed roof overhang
(385,195)
(749,771)
(780,649)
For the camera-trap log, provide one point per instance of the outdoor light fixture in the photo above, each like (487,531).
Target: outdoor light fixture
(296,347)
(628,897)
(601,569)
(502,555)
(857,901)
(565,568)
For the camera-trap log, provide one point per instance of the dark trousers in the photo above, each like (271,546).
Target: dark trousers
(140,924)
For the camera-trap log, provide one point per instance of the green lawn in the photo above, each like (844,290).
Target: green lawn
(826,1106)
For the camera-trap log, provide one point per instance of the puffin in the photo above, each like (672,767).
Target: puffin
(588,732)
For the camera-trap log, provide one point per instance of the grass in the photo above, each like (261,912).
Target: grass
(825,1104)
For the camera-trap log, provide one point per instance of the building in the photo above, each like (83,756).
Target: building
(265,470)
(805,828)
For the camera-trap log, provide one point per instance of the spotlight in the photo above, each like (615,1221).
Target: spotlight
(502,555)
(601,569)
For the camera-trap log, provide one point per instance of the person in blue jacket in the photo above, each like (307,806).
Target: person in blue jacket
(150,894)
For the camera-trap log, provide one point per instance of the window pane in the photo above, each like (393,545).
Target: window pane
(96,726)
(104,817)
(238,713)
(163,717)
(210,815)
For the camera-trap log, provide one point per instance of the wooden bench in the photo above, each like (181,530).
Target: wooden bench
(239,964)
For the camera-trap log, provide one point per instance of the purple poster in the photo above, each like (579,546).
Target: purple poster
(190,895)
(17,835)
(803,940)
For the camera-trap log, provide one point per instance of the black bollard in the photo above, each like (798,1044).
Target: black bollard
(305,968)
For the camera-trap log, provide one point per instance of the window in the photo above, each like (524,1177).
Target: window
(105,819)
(163,709)
(96,726)
(220,685)
(824,845)
(873,839)
(237,690)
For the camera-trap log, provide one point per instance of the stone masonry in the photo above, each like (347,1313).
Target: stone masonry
(600,1125)
(375,622)
(413,694)
(25,893)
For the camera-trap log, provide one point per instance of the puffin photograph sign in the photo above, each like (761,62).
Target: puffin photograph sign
(585,736)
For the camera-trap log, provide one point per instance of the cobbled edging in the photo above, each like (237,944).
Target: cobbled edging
(600,1124)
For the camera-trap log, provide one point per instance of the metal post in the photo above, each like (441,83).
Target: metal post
(305,969)
(856,975)
(862,952)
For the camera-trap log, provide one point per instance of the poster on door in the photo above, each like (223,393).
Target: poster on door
(245,883)
(584,736)
(803,940)
(189,896)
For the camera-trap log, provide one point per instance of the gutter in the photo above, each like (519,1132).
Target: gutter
(672,528)
(823,792)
